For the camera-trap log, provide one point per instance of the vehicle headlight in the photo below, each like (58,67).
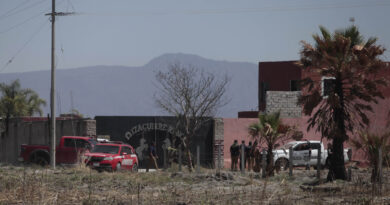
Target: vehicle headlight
(108,158)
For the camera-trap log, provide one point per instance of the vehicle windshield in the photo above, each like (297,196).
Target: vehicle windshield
(287,146)
(109,149)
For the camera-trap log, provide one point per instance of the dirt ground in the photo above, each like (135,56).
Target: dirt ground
(80,185)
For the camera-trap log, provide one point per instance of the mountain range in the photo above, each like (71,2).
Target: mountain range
(129,91)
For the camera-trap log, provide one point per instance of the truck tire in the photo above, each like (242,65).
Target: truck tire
(282,164)
(41,161)
(134,168)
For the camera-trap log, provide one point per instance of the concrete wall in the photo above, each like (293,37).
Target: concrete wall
(278,76)
(235,129)
(285,101)
(218,141)
(37,132)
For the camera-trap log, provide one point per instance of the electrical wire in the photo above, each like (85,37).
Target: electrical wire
(243,10)
(71,5)
(21,23)
(21,10)
(11,10)
(29,19)
(24,46)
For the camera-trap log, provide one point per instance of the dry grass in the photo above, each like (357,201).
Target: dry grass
(80,185)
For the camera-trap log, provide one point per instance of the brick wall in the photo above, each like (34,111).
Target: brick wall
(285,101)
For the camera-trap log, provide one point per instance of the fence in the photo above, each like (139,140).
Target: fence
(198,160)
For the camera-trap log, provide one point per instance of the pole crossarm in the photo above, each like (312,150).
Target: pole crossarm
(61,14)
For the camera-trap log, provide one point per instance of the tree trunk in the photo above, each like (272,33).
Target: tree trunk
(189,158)
(375,174)
(7,119)
(270,161)
(190,168)
(337,167)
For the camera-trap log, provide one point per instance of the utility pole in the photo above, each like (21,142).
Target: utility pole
(53,15)
(52,90)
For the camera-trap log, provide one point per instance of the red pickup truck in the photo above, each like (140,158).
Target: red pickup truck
(68,151)
(113,156)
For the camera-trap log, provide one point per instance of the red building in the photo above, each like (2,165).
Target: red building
(277,76)
(276,81)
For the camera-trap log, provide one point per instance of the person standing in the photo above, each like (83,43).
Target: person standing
(152,157)
(242,147)
(250,156)
(234,154)
(328,162)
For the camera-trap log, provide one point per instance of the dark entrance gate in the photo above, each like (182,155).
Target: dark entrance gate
(139,132)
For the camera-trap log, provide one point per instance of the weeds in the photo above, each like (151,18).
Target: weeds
(80,185)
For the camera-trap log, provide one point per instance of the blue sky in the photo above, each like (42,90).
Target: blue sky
(131,33)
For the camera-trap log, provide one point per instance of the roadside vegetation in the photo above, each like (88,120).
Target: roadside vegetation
(373,145)
(269,131)
(80,185)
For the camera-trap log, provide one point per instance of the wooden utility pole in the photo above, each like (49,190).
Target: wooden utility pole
(52,90)
(53,15)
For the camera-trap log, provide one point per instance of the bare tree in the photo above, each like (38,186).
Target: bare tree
(193,96)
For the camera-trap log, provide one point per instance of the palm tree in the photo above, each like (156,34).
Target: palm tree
(370,144)
(34,103)
(353,64)
(16,102)
(269,130)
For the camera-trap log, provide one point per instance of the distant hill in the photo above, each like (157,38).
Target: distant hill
(121,90)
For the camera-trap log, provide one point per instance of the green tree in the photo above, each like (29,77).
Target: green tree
(354,65)
(269,131)
(16,101)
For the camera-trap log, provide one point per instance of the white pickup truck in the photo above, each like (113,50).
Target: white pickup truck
(304,153)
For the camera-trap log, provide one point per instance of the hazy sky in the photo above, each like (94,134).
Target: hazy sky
(130,32)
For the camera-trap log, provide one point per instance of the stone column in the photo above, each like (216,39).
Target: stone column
(218,141)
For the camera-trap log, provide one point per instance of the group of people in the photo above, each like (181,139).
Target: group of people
(237,155)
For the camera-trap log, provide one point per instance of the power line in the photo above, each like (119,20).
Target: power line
(27,20)
(21,23)
(243,10)
(71,5)
(11,10)
(24,45)
(23,9)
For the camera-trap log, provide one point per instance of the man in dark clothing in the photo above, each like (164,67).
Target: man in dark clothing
(242,146)
(152,157)
(249,154)
(234,154)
